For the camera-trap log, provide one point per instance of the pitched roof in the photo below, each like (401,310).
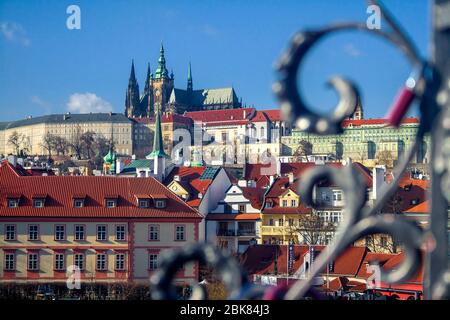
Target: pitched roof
(229,216)
(61,190)
(371,122)
(69,118)
(195,180)
(222,116)
(423,207)
(202,97)
(165,118)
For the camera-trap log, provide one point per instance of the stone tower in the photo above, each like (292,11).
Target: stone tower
(162,84)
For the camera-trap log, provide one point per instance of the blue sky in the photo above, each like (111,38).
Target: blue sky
(46,68)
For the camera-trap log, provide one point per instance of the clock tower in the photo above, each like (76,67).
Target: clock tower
(162,84)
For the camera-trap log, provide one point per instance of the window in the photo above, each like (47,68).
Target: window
(59,261)
(160,203)
(120,232)
(38,203)
(242,208)
(143,203)
(291,222)
(33,232)
(179,233)
(120,261)
(10,261)
(284,203)
(153,232)
(78,203)
(152,261)
(13,203)
(33,261)
(280,222)
(293,203)
(10,232)
(337,195)
(270,222)
(101,232)
(79,261)
(79,233)
(110,203)
(101,262)
(60,232)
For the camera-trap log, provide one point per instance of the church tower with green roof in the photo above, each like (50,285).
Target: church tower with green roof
(158,155)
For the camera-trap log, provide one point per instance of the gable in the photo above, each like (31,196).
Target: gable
(177,188)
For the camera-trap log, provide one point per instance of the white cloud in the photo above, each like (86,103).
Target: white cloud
(351,50)
(14,32)
(87,102)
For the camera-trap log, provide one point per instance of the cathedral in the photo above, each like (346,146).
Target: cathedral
(160,94)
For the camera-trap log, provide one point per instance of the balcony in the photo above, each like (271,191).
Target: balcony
(246,232)
(272,230)
(226,232)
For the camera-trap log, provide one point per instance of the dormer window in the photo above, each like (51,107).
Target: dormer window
(143,200)
(13,203)
(111,203)
(143,203)
(38,200)
(78,203)
(160,203)
(38,203)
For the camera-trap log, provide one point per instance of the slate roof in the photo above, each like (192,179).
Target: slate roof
(60,190)
(67,118)
(202,97)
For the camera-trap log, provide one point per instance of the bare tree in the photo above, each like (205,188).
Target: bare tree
(60,145)
(76,143)
(15,140)
(48,143)
(385,157)
(312,228)
(87,143)
(303,151)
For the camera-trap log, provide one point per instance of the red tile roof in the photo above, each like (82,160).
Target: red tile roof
(222,116)
(254,195)
(190,181)
(371,122)
(423,207)
(60,191)
(229,216)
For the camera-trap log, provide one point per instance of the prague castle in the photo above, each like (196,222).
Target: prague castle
(160,94)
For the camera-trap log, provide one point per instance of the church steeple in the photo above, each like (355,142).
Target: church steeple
(158,146)
(132,95)
(189,79)
(161,71)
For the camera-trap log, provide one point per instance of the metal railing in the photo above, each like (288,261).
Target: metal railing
(431,89)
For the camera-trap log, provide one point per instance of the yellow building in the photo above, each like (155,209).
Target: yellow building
(112,229)
(31,131)
(283,213)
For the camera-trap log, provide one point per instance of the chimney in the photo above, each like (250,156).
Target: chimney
(271,180)
(12,160)
(119,166)
(291,177)
(176,178)
(378,173)
(245,113)
(278,162)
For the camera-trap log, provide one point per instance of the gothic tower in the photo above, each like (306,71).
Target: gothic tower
(148,99)
(132,95)
(162,84)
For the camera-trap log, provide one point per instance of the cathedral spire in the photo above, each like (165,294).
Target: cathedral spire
(147,80)
(161,71)
(189,79)
(132,95)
